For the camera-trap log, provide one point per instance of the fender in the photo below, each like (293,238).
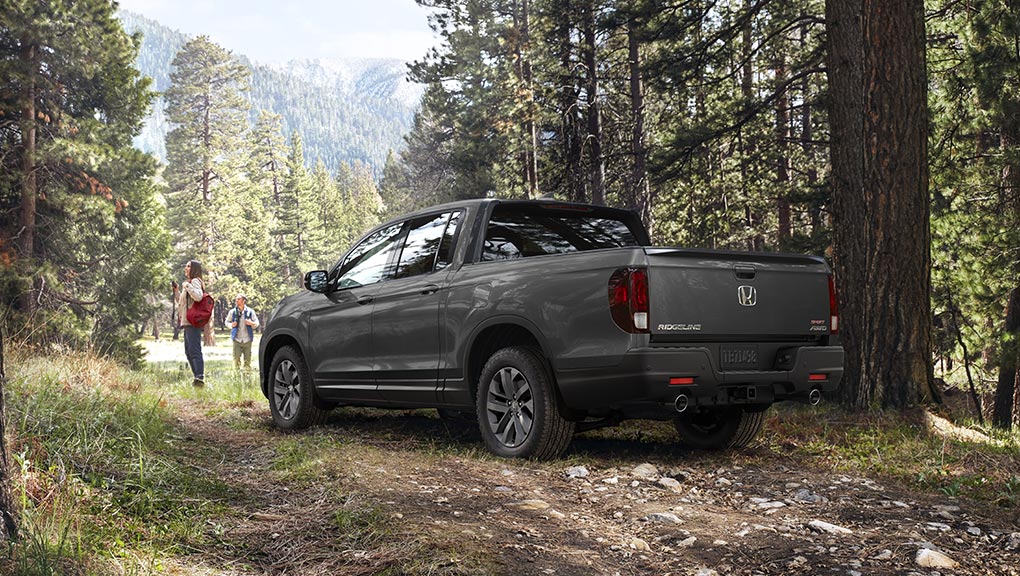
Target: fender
(464,354)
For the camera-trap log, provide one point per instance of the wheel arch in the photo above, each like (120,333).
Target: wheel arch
(504,332)
(276,342)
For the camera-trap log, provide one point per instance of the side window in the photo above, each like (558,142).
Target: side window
(423,239)
(445,256)
(518,233)
(366,264)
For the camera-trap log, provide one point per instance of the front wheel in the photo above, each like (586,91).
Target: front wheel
(517,407)
(719,428)
(291,393)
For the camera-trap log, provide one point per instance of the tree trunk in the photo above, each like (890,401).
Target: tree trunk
(569,106)
(806,135)
(597,167)
(29,181)
(1009,353)
(29,175)
(881,225)
(8,523)
(1005,390)
(530,128)
(755,240)
(783,157)
(640,200)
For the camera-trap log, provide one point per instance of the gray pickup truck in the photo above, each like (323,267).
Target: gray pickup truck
(540,318)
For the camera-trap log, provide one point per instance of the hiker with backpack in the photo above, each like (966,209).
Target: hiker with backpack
(242,322)
(194,310)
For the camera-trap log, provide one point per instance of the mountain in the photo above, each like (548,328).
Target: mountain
(346,110)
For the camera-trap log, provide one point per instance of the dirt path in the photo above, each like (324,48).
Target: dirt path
(372,491)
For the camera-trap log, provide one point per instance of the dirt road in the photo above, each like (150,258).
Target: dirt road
(373,491)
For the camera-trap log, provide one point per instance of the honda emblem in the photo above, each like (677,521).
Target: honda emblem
(747,295)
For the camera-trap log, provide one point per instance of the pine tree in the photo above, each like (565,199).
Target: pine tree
(327,218)
(293,214)
(881,215)
(206,106)
(82,198)
(362,203)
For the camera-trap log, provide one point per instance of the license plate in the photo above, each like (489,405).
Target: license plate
(744,357)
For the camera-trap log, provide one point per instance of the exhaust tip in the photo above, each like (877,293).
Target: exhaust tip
(681,403)
(815,397)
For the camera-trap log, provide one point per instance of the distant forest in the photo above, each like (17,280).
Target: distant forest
(345,110)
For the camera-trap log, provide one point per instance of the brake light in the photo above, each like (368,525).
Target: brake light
(833,306)
(628,299)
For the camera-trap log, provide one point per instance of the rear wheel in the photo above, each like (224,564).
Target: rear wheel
(517,407)
(719,428)
(291,392)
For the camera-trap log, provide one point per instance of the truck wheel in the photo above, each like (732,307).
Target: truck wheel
(291,393)
(517,407)
(719,428)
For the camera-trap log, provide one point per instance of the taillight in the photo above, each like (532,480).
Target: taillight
(628,299)
(833,306)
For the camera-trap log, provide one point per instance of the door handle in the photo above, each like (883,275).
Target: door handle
(365,299)
(430,289)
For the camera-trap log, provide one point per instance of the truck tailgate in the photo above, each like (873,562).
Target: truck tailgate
(713,295)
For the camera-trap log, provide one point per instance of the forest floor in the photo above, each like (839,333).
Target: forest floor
(381,492)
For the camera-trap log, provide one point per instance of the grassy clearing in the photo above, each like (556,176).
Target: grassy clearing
(98,471)
(108,482)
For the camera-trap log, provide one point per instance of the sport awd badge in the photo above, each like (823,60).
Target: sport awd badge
(747,295)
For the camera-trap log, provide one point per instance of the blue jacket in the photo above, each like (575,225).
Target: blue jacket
(233,316)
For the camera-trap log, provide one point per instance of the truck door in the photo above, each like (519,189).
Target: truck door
(340,330)
(405,320)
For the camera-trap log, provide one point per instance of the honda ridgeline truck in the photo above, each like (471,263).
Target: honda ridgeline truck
(542,318)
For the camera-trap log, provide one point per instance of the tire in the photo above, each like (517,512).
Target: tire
(517,407)
(292,393)
(718,429)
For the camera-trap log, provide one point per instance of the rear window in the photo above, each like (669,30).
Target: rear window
(514,232)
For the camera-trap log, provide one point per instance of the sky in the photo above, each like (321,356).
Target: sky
(274,32)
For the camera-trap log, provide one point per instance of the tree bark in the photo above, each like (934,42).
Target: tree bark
(597,167)
(530,128)
(806,135)
(569,106)
(1005,390)
(1009,352)
(879,151)
(640,197)
(753,219)
(782,157)
(8,515)
(29,181)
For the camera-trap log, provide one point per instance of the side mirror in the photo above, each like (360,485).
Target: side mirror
(316,281)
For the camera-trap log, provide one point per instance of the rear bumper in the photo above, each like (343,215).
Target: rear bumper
(640,385)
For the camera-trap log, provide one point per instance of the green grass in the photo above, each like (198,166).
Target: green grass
(101,474)
(107,482)
(902,446)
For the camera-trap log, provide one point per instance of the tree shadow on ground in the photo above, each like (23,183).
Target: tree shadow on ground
(631,442)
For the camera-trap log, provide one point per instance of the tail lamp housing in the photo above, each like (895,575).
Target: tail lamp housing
(833,306)
(628,299)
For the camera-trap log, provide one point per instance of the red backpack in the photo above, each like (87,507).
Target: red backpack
(201,311)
